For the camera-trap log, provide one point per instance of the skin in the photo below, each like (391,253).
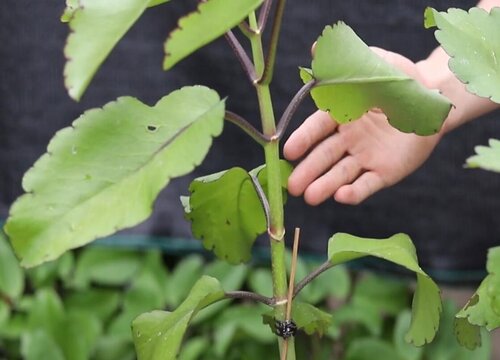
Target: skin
(351,162)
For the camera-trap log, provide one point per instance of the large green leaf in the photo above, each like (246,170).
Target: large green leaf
(487,157)
(11,274)
(400,250)
(352,79)
(471,40)
(103,173)
(226,213)
(158,334)
(96,27)
(210,20)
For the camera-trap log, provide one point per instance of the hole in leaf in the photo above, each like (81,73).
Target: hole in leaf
(152,128)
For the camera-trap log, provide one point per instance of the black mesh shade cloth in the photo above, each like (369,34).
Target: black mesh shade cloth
(451,213)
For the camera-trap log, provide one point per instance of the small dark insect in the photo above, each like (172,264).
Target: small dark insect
(286,328)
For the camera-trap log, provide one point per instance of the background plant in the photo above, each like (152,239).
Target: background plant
(470,38)
(103,173)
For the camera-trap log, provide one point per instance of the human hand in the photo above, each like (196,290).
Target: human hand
(353,161)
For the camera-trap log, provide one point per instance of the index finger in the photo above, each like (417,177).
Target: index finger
(316,127)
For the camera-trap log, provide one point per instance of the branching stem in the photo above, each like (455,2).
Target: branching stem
(263,200)
(242,56)
(246,127)
(247,295)
(292,107)
(321,269)
(264,15)
(267,75)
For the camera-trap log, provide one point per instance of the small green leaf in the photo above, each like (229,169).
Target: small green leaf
(96,27)
(471,40)
(400,250)
(212,19)
(106,266)
(226,214)
(246,319)
(11,274)
(487,157)
(158,334)
(104,173)
(46,312)
(310,319)
(78,335)
(114,348)
(4,314)
(366,349)
(352,79)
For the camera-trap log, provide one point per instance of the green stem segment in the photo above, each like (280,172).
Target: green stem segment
(275,197)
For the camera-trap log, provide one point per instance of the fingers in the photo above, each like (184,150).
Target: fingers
(315,127)
(342,173)
(363,187)
(320,159)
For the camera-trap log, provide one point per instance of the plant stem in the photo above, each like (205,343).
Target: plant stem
(249,296)
(242,56)
(275,197)
(267,74)
(321,269)
(292,107)
(246,127)
(263,200)
(264,15)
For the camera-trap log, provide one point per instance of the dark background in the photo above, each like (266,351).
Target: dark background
(450,212)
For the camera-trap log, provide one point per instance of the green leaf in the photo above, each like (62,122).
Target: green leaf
(352,79)
(366,349)
(101,302)
(399,250)
(114,348)
(405,350)
(245,319)
(212,19)
(106,266)
(231,277)
(335,283)
(487,157)
(38,345)
(310,319)
(11,274)
(71,6)
(468,335)
(182,279)
(46,275)
(96,27)
(384,295)
(104,173)
(261,281)
(78,335)
(226,214)
(46,312)
(4,314)
(158,334)
(471,40)
(357,314)
(194,348)
(483,308)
